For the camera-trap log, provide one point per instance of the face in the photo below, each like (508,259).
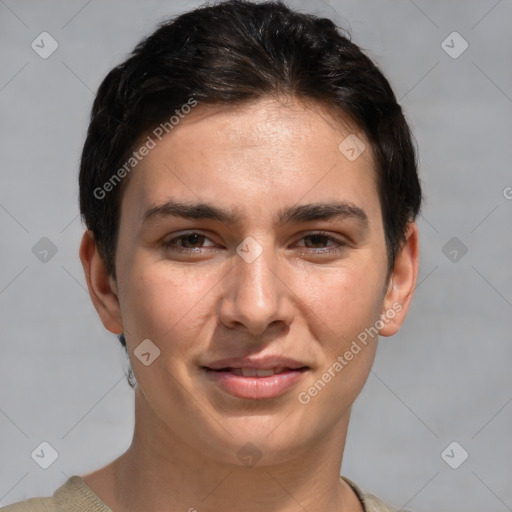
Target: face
(251,253)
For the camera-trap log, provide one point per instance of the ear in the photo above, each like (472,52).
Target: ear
(401,284)
(102,287)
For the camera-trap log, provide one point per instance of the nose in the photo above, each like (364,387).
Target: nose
(256,297)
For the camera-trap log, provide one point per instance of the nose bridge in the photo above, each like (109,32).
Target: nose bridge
(256,296)
(255,275)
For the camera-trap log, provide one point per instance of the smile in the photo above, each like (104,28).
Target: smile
(255,383)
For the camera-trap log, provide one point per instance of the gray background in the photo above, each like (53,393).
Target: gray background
(444,377)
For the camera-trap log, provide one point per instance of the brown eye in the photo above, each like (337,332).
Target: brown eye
(321,244)
(192,240)
(188,242)
(317,239)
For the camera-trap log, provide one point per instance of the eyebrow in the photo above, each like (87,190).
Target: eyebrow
(294,214)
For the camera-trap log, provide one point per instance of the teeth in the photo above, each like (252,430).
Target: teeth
(265,373)
(253,372)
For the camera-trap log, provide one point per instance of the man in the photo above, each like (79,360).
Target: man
(250,191)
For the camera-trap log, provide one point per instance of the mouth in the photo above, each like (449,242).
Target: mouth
(257,372)
(255,383)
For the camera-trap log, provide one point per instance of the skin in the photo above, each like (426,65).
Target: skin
(296,299)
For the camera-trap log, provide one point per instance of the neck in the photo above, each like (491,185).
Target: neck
(160,471)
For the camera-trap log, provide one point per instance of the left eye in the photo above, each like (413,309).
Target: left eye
(321,239)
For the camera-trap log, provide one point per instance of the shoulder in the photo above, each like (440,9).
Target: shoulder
(370,502)
(31,505)
(72,496)
(374,504)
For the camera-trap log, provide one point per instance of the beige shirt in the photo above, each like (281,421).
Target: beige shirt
(76,496)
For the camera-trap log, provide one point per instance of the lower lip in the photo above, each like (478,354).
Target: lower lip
(256,388)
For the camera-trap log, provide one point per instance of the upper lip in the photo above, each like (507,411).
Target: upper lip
(259,363)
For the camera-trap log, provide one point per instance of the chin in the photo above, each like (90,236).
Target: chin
(260,439)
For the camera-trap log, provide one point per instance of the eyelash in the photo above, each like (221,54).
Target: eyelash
(321,250)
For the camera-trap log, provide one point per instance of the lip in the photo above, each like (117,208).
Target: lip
(255,388)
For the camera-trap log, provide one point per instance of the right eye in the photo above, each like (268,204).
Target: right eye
(187,242)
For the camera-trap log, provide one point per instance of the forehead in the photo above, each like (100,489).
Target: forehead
(256,157)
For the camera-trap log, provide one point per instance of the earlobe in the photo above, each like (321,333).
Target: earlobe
(102,287)
(402,284)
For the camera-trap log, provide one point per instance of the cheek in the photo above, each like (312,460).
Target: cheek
(345,301)
(170,310)
(345,307)
(167,307)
